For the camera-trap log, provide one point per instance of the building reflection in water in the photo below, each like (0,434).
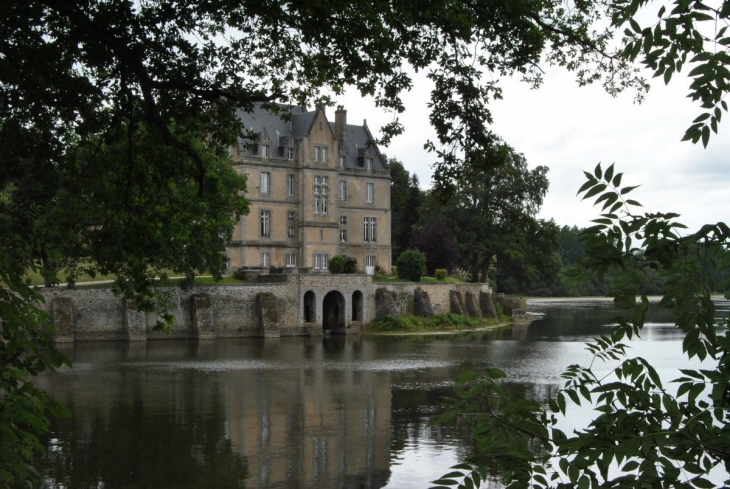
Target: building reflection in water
(246,412)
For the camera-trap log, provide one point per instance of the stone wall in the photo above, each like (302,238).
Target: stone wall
(252,309)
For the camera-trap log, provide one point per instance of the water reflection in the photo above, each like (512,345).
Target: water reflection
(333,412)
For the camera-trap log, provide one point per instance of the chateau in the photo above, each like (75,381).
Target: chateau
(316,189)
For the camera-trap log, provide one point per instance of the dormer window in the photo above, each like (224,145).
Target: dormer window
(368,163)
(341,161)
(289,153)
(264,151)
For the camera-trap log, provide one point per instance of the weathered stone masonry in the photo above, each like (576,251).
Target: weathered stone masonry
(291,305)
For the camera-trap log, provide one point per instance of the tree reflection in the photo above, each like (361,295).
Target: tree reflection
(132,446)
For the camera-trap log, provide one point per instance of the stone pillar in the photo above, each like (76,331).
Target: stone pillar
(268,315)
(384,304)
(422,304)
(201,314)
(63,319)
(471,305)
(456,303)
(135,328)
(486,304)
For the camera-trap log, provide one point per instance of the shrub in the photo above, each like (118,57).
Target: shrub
(350,265)
(275,270)
(411,265)
(441,273)
(336,264)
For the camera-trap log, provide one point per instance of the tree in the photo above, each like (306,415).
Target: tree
(405,203)
(644,434)
(497,197)
(80,74)
(530,263)
(438,243)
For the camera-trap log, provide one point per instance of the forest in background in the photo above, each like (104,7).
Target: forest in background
(525,255)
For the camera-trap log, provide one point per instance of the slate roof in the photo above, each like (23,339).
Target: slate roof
(279,129)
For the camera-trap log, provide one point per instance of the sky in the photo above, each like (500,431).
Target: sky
(570,129)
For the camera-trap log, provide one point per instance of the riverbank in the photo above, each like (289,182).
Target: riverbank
(443,324)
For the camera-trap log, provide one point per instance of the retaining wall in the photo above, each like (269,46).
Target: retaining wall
(275,308)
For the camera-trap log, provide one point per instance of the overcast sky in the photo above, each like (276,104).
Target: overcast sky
(569,129)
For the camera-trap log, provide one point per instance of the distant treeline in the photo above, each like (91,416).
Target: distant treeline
(485,229)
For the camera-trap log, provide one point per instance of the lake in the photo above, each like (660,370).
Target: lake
(332,412)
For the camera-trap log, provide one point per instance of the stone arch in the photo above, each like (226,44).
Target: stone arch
(309,307)
(333,312)
(357,305)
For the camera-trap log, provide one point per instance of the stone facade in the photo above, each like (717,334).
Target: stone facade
(316,189)
(291,305)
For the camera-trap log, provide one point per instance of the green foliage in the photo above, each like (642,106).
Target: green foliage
(414,324)
(336,264)
(645,434)
(411,265)
(350,265)
(441,274)
(689,33)
(492,211)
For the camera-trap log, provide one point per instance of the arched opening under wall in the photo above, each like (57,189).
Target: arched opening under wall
(333,312)
(357,304)
(310,307)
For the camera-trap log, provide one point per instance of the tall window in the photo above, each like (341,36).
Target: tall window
(368,163)
(291,259)
(369,193)
(265,259)
(264,151)
(320,261)
(371,260)
(321,194)
(343,190)
(265,184)
(370,229)
(290,231)
(265,224)
(341,161)
(290,185)
(321,153)
(289,153)
(343,236)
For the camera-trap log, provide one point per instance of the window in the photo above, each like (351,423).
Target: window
(321,191)
(265,185)
(341,161)
(289,153)
(290,185)
(264,151)
(265,224)
(369,193)
(321,153)
(371,260)
(290,232)
(265,259)
(343,220)
(290,216)
(370,229)
(343,190)
(291,259)
(320,261)
(343,236)
(368,163)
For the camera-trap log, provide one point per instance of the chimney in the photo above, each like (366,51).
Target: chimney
(341,125)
